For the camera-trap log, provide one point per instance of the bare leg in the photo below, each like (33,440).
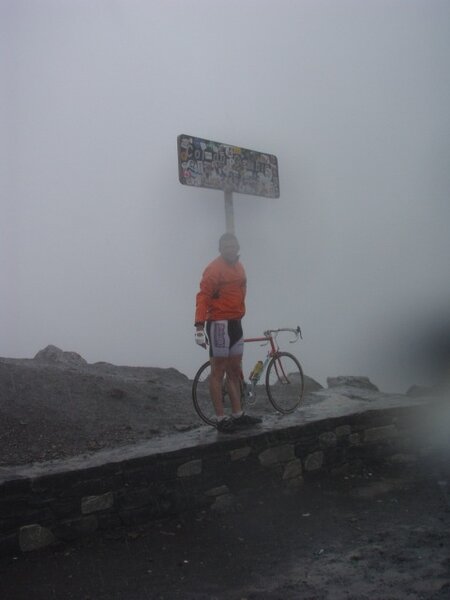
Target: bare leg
(218,366)
(233,371)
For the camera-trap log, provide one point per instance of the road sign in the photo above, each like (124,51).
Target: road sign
(207,164)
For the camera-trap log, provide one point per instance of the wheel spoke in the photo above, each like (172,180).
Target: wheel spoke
(201,396)
(284,382)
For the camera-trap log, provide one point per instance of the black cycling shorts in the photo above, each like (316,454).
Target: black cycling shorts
(226,338)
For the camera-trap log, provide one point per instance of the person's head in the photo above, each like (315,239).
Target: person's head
(229,247)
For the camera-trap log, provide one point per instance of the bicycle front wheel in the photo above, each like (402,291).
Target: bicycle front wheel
(285,382)
(201,396)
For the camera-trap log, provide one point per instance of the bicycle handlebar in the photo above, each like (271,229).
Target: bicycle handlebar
(297,332)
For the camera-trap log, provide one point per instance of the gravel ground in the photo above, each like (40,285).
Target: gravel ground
(51,411)
(57,406)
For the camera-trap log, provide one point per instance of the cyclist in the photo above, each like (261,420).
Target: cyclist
(220,306)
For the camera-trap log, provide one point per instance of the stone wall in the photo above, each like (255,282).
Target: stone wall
(43,504)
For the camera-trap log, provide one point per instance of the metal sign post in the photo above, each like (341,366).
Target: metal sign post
(207,164)
(229,214)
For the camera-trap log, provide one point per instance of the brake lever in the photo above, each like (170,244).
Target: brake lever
(298,334)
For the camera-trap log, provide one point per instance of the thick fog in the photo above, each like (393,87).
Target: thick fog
(101,247)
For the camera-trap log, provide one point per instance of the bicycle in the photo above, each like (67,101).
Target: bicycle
(284,381)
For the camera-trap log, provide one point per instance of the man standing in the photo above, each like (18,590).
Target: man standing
(220,307)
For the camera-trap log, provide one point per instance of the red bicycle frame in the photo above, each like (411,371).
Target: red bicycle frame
(278,366)
(263,339)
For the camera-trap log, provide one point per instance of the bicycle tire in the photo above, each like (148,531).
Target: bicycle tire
(285,382)
(201,397)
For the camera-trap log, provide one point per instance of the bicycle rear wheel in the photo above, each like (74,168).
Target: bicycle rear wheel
(285,382)
(201,396)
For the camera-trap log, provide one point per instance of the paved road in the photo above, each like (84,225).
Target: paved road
(378,536)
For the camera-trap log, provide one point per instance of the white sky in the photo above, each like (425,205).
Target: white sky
(101,248)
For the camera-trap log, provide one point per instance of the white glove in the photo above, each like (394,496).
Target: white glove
(200,338)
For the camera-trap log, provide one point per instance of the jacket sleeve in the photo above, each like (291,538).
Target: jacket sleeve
(208,287)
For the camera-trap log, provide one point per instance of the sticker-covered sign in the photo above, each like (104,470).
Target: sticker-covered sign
(203,163)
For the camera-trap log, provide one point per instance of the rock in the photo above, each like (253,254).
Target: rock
(91,504)
(34,537)
(189,469)
(354,439)
(52,354)
(418,390)
(327,439)
(293,469)
(218,491)
(277,455)
(375,434)
(403,459)
(240,453)
(311,385)
(314,461)
(352,381)
(181,428)
(343,431)
(225,503)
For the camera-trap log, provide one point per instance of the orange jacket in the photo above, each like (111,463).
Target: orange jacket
(222,292)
